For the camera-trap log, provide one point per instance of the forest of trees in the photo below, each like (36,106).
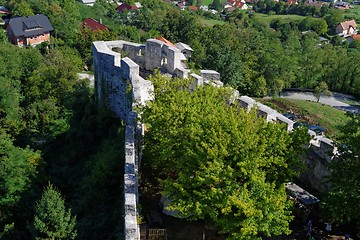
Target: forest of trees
(56,145)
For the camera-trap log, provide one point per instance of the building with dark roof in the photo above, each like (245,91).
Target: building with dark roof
(4,11)
(29,31)
(94,25)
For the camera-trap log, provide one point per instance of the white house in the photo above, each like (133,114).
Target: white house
(88,2)
(346,28)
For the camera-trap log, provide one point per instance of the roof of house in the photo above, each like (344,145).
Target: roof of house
(341,3)
(230,9)
(237,3)
(291,2)
(124,6)
(348,24)
(161,38)
(3,10)
(315,3)
(88,1)
(356,37)
(193,8)
(94,25)
(183,46)
(30,25)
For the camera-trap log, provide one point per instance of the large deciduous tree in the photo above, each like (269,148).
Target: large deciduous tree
(342,203)
(217,162)
(321,89)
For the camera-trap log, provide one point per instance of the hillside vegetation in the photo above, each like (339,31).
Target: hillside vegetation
(312,113)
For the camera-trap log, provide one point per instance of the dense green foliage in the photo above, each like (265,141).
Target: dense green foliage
(254,58)
(219,163)
(236,50)
(321,89)
(51,130)
(342,203)
(52,220)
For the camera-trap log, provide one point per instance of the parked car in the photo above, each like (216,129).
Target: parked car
(299,124)
(290,116)
(317,129)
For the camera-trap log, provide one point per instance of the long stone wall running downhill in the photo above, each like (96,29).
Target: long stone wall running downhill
(120,87)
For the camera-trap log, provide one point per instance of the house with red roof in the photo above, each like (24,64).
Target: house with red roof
(291,2)
(94,25)
(241,4)
(125,7)
(355,37)
(193,8)
(346,28)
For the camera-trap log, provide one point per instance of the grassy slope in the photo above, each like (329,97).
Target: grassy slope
(313,113)
(211,22)
(91,12)
(353,13)
(207,2)
(268,18)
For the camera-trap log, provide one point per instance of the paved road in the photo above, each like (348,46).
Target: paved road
(334,101)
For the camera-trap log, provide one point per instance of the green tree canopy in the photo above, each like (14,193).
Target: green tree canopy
(17,169)
(321,89)
(218,162)
(52,220)
(216,4)
(342,203)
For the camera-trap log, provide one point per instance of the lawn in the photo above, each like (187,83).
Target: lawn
(312,113)
(91,12)
(207,2)
(353,13)
(211,22)
(268,18)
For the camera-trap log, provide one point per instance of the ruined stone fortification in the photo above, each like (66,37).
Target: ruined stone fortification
(119,70)
(120,85)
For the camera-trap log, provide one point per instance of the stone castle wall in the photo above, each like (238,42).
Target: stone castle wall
(120,88)
(322,149)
